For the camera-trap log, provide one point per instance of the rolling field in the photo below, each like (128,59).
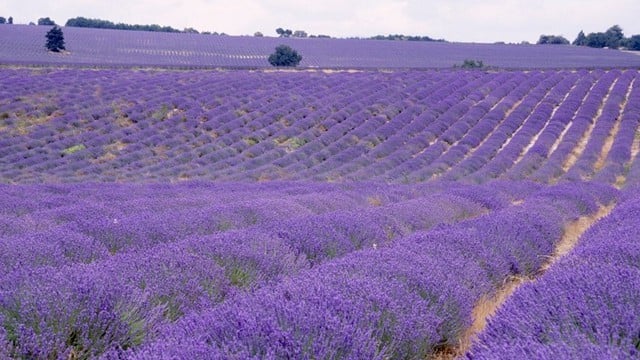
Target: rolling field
(127,125)
(24,44)
(257,214)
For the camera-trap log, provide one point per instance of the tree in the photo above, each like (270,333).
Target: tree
(55,39)
(633,43)
(300,34)
(3,20)
(258,34)
(596,40)
(284,33)
(46,21)
(10,20)
(285,56)
(106,24)
(581,39)
(614,36)
(552,39)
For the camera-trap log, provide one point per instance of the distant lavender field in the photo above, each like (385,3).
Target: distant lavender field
(21,44)
(257,214)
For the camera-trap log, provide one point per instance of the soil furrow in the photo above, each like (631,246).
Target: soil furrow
(488,305)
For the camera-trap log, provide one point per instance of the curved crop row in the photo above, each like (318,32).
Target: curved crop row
(379,303)
(107,125)
(583,307)
(65,295)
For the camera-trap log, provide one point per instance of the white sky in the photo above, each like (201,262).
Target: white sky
(453,20)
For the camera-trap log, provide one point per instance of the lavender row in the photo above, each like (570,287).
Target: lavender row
(496,158)
(140,130)
(90,230)
(632,164)
(378,303)
(109,125)
(538,114)
(570,137)
(533,155)
(55,308)
(608,115)
(475,143)
(25,45)
(447,111)
(41,224)
(455,126)
(616,165)
(583,307)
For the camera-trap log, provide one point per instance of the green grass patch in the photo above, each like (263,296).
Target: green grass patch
(73,149)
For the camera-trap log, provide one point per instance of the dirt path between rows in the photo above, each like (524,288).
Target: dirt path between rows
(487,306)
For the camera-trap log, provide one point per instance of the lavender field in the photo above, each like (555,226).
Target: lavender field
(257,214)
(22,44)
(76,125)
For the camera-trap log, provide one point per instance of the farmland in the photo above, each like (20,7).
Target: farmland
(182,210)
(98,47)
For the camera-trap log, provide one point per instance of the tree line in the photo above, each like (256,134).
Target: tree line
(285,33)
(613,38)
(106,24)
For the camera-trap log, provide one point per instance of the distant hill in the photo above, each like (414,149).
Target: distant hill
(22,44)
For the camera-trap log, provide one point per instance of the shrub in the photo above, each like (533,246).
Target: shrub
(471,64)
(285,56)
(552,40)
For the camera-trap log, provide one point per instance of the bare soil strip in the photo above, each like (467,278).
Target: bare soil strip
(560,138)
(572,233)
(577,151)
(515,106)
(606,147)
(488,305)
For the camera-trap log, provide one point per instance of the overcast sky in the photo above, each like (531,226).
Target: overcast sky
(453,20)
